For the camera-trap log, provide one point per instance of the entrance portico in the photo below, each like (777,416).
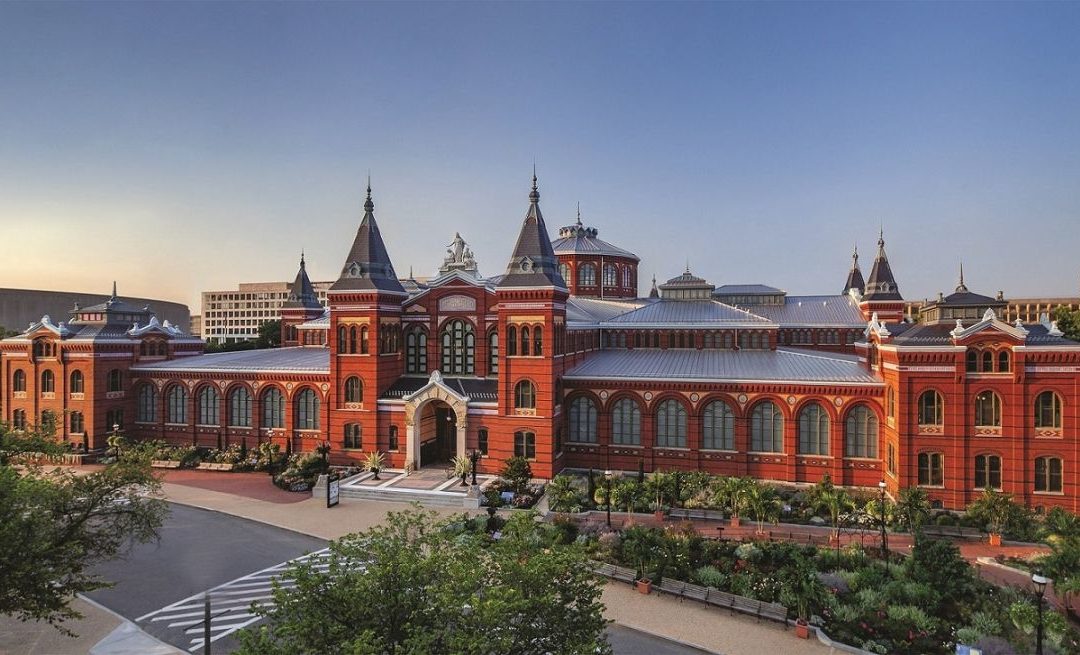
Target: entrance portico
(432,404)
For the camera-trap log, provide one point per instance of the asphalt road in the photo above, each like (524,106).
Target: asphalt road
(200,549)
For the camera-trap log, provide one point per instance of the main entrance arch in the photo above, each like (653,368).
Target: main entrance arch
(436,423)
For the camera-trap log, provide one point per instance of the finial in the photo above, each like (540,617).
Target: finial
(881,236)
(579,213)
(301,258)
(654,279)
(114,289)
(410,272)
(688,266)
(534,195)
(961,272)
(368,205)
(855,256)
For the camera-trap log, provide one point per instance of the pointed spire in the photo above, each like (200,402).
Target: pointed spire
(368,205)
(301,293)
(855,278)
(654,292)
(882,285)
(533,262)
(368,266)
(114,289)
(961,288)
(301,258)
(579,214)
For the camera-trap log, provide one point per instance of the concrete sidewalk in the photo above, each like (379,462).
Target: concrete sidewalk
(99,632)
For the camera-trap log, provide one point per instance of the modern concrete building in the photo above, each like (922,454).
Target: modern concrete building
(21,307)
(235,315)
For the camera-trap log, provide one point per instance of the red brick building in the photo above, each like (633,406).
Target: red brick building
(560,360)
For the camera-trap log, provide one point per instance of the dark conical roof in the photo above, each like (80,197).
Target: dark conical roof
(368,267)
(533,263)
(654,292)
(855,278)
(301,294)
(882,284)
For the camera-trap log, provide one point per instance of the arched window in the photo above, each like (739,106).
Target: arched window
(582,420)
(354,390)
(744,340)
(626,423)
(114,418)
(458,348)
(363,340)
(987,362)
(564,272)
(861,433)
(524,341)
(931,469)
(987,472)
(240,407)
(48,382)
(176,405)
(813,430)
(1048,473)
(987,409)
(1048,410)
(493,352)
(609,275)
(116,380)
(18,380)
(146,412)
(207,406)
(77,382)
(307,410)
(538,341)
(586,275)
(77,424)
(671,424)
(972,361)
(931,408)
(273,408)
(1003,361)
(525,395)
(342,339)
(766,428)
(729,342)
(416,351)
(511,341)
(718,426)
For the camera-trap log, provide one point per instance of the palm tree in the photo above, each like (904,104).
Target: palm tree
(996,509)
(733,492)
(764,504)
(835,500)
(913,506)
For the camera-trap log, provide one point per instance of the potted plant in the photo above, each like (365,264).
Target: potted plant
(462,468)
(996,509)
(640,545)
(373,462)
(803,590)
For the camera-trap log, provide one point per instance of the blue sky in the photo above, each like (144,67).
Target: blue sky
(184,147)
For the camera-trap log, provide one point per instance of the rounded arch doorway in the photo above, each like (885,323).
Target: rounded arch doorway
(437,432)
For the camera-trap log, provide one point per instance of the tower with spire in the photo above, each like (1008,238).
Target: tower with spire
(882,294)
(855,278)
(532,329)
(301,306)
(364,334)
(592,267)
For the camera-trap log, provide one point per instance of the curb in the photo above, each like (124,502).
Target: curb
(657,635)
(248,518)
(124,623)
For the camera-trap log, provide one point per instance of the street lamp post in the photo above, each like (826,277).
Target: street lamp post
(607,496)
(884,536)
(1040,587)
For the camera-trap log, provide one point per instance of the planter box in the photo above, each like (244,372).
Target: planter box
(995,539)
(802,630)
(643,586)
(215,466)
(164,464)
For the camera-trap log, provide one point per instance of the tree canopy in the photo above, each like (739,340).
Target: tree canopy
(419,586)
(54,525)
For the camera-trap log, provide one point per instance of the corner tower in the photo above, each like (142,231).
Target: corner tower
(854,278)
(882,296)
(532,326)
(592,267)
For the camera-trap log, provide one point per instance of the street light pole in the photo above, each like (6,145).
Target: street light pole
(607,496)
(1040,586)
(884,536)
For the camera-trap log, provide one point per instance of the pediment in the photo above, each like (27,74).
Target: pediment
(988,329)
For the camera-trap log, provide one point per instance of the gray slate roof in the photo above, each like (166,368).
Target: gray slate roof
(881,285)
(367,266)
(937,334)
(301,294)
(284,360)
(799,311)
(533,263)
(781,365)
(684,313)
(479,390)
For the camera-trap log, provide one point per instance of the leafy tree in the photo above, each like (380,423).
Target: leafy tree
(55,525)
(517,472)
(913,508)
(5,333)
(1068,322)
(993,509)
(938,564)
(269,334)
(416,586)
(733,492)
(764,504)
(563,496)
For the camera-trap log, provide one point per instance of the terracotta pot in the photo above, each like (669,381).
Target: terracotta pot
(995,539)
(734,521)
(802,629)
(644,586)
(658,515)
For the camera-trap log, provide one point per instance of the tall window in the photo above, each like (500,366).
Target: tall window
(48,382)
(861,433)
(273,408)
(342,339)
(147,404)
(525,444)
(208,406)
(77,424)
(987,362)
(971,361)
(586,275)
(511,341)
(1003,361)
(1048,474)
(626,277)
(493,352)
(354,390)
(581,420)
(458,348)
(18,419)
(18,380)
(891,461)
(609,275)
(671,424)
(564,271)
(355,340)
(1048,410)
(538,341)
(813,430)
(766,428)
(114,418)
(176,405)
(482,441)
(987,409)
(931,469)
(393,439)
(116,380)
(416,351)
(987,472)
(524,341)
(353,438)
(891,394)
(718,426)
(931,408)
(525,395)
(307,410)
(240,407)
(77,383)
(626,423)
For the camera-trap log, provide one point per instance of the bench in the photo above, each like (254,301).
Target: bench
(623,574)
(673,587)
(696,592)
(695,514)
(957,531)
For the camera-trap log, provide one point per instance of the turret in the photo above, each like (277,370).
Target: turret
(882,296)
(854,278)
(302,305)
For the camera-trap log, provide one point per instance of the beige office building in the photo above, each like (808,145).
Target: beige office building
(235,315)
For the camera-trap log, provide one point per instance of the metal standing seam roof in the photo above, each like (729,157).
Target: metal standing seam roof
(585,245)
(801,311)
(781,365)
(594,310)
(746,289)
(683,313)
(477,389)
(939,334)
(291,360)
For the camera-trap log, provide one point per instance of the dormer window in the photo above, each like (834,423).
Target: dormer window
(44,348)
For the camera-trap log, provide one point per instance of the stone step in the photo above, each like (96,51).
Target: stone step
(424,498)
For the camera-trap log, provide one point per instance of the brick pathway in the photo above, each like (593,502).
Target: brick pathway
(256,486)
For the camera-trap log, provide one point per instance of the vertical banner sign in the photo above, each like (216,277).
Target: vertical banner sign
(333,490)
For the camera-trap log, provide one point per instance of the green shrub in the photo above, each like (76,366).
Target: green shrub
(710,576)
(517,472)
